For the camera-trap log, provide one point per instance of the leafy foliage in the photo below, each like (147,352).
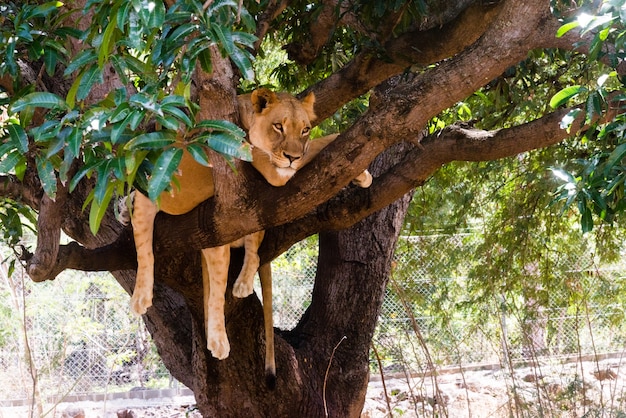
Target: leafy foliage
(595,183)
(134,136)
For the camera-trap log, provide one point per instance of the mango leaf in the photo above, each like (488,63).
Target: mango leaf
(615,157)
(135,118)
(566,28)
(586,220)
(132,163)
(564,95)
(152,140)
(39,99)
(107,43)
(225,37)
(168,122)
(228,145)
(74,140)
(205,60)
(98,209)
(91,76)
(178,114)
(47,175)
(163,170)
(18,136)
(198,152)
(9,161)
(241,59)
(50,58)
(80,60)
(222,125)
(44,9)
(146,102)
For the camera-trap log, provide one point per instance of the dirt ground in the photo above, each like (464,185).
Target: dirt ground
(573,389)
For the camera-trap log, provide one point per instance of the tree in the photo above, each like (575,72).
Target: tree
(94,97)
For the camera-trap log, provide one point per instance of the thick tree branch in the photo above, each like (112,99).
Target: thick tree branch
(352,203)
(51,212)
(420,48)
(419,163)
(12,188)
(271,12)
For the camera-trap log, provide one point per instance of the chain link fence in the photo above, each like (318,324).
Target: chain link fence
(76,336)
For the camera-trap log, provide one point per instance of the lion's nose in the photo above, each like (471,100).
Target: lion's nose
(291,158)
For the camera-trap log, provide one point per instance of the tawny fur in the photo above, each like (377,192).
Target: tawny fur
(278,127)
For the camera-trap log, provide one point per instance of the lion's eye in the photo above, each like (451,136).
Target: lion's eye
(278,127)
(306,130)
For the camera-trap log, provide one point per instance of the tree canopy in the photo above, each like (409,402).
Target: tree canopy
(95,95)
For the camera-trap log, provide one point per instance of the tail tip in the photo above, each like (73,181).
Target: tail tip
(270,379)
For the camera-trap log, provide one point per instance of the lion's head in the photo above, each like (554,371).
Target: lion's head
(278,127)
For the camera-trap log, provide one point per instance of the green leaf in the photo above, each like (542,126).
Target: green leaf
(39,99)
(222,125)
(586,220)
(164,168)
(50,58)
(47,175)
(594,106)
(81,59)
(74,140)
(18,136)
(225,37)
(241,59)
(598,21)
(198,152)
(99,208)
(146,102)
(107,44)
(178,114)
(615,157)
(168,122)
(228,145)
(9,161)
(566,28)
(91,76)
(132,163)
(152,140)
(44,9)
(205,60)
(564,95)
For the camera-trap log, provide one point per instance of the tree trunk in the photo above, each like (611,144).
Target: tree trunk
(322,364)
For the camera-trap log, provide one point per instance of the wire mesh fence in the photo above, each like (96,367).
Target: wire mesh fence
(75,335)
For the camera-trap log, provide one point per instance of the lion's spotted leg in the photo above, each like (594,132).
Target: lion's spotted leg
(217,260)
(144,212)
(243,287)
(265,274)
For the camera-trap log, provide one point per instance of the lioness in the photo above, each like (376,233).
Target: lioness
(278,128)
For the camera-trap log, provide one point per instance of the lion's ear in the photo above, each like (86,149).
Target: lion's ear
(261,98)
(307,104)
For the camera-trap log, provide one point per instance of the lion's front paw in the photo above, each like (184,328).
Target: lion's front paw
(242,288)
(218,345)
(140,302)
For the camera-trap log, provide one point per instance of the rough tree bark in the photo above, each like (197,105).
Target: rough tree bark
(322,364)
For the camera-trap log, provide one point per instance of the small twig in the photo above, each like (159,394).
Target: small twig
(382,379)
(326,374)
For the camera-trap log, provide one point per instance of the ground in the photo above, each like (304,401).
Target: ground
(566,389)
